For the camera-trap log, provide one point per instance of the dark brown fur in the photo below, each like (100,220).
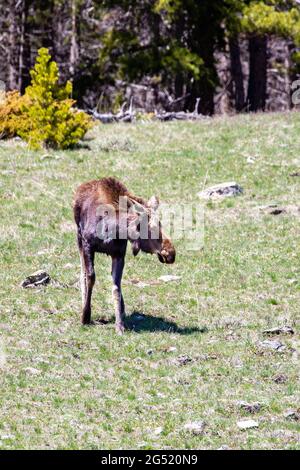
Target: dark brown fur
(91,197)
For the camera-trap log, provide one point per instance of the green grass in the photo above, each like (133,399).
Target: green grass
(95,390)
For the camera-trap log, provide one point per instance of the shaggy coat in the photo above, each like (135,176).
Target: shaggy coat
(107,215)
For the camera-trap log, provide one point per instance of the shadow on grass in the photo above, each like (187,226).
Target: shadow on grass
(139,322)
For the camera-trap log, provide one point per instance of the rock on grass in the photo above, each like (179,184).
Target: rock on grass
(38,278)
(250,407)
(273,344)
(245,424)
(286,330)
(183,360)
(221,191)
(292,415)
(158,431)
(197,427)
(32,371)
(280,379)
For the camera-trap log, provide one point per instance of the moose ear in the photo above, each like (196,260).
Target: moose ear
(153,202)
(135,247)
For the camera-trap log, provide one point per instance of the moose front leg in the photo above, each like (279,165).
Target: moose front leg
(116,272)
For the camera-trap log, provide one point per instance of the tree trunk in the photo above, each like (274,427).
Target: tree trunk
(204,90)
(178,85)
(12,53)
(74,48)
(47,26)
(257,87)
(237,90)
(179,77)
(292,75)
(204,87)
(24,52)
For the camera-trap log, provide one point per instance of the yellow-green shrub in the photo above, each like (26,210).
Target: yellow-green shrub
(52,119)
(12,117)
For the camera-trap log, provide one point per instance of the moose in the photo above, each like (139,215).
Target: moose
(107,215)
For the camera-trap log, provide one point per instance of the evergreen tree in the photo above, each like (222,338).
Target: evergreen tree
(53,121)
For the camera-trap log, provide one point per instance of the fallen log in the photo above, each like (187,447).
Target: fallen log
(108,118)
(130,115)
(179,116)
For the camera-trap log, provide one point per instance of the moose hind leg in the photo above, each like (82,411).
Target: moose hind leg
(88,260)
(117,271)
(83,279)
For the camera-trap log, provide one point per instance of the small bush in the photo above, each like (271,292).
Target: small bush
(52,119)
(12,117)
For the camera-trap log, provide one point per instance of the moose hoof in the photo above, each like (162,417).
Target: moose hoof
(120,328)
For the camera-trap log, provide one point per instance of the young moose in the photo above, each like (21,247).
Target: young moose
(107,215)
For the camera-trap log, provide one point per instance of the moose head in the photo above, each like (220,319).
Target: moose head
(145,231)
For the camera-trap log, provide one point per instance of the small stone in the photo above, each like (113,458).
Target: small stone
(32,371)
(291,209)
(150,352)
(279,330)
(183,360)
(197,427)
(273,344)
(278,211)
(222,190)
(38,278)
(171,349)
(247,424)
(158,431)
(23,344)
(268,206)
(250,407)
(169,278)
(280,379)
(292,415)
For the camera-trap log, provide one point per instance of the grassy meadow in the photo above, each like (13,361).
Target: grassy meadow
(196,352)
